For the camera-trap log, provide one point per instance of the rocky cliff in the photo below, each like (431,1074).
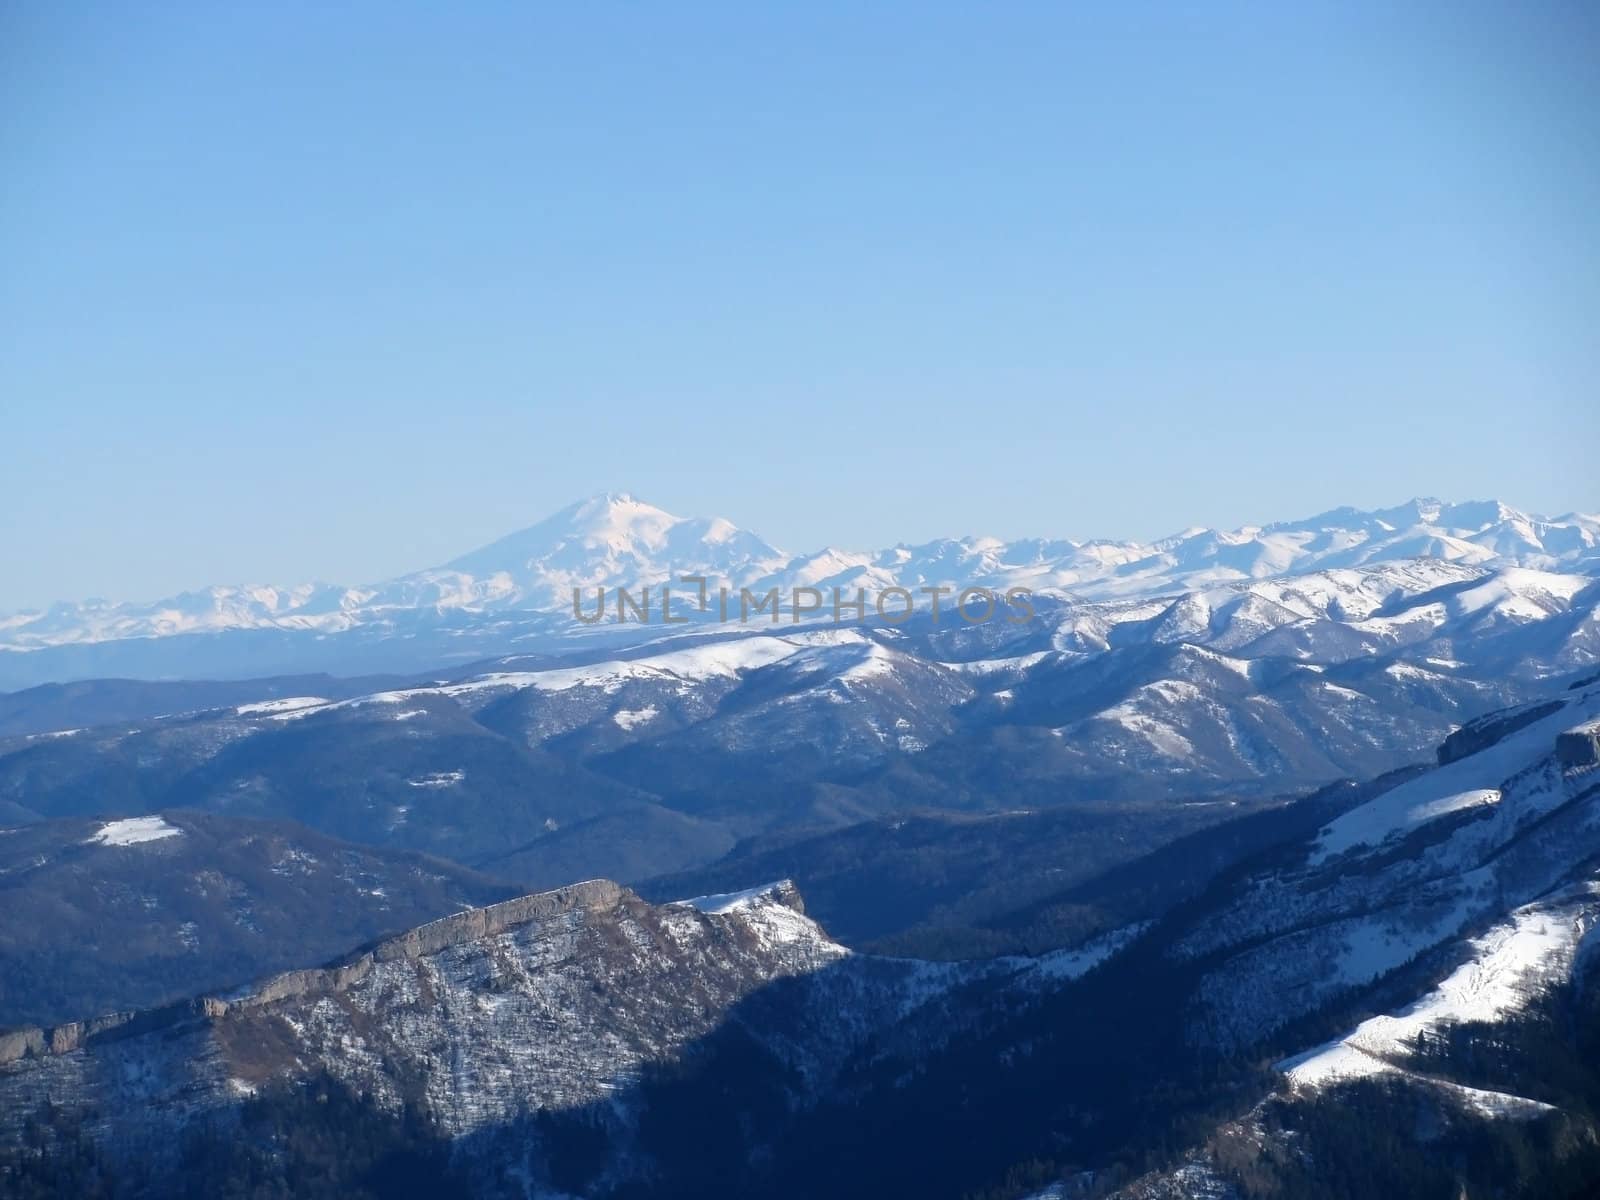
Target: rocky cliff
(549,1003)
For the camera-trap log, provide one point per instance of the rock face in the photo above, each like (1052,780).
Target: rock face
(1487,730)
(544,1003)
(1580,746)
(595,895)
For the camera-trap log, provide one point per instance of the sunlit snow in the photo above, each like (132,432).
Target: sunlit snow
(629,718)
(131,831)
(1508,966)
(1469,782)
(287,704)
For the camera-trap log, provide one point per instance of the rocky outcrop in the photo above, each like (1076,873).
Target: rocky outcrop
(1487,730)
(468,925)
(1579,746)
(21,1042)
(559,1003)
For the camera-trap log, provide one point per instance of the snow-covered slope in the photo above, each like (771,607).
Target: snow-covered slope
(1267,687)
(1415,868)
(1511,964)
(1446,927)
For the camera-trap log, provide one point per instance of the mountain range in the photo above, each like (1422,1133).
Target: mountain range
(1412,971)
(1242,855)
(721,755)
(517,593)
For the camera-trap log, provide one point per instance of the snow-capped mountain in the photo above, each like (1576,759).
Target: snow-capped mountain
(518,591)
(608,541)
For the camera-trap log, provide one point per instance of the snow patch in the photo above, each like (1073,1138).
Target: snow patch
(1509,964)
(1069,964)
(722,902)
(287,704)
(1470,782)
(131,831)
(763,912)
(717,660)
(629,718)
(437,779)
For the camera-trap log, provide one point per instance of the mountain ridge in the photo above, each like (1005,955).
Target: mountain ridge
(431,937)
(518,589)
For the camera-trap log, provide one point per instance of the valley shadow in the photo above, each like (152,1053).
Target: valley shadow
(946,1102)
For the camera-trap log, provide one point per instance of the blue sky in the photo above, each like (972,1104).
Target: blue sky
(335,292)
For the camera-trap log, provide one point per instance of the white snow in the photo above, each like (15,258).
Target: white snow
(287,704)
(1469,782)
(875,662)
(629,718)
(1508,964)
(1398,670)
(305,710)
(991,666)
(1163,737)
(724,659)
(131,831)
(772,921)
(438,779)
(1344,693)
(1241,667)
(1069,964)
(616,540)
(722,902)
(1517,593)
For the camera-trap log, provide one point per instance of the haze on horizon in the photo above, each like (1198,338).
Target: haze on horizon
(294,293)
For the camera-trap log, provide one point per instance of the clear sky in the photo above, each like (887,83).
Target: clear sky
(338,291)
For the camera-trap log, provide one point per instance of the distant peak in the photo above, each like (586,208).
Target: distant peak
(607,516)
(1425,511)
(616,536)
(611,511)
(605,501)
(1428,508)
